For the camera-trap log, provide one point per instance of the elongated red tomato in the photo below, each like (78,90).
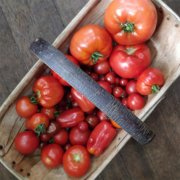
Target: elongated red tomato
(150,81)
(130,61)
(91,44)
(131,22)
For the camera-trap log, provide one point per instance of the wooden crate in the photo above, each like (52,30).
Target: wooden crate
(164,46)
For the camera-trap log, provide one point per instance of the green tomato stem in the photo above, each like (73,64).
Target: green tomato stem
(130,51)
(95,56)
(33,100)
(77,157)
(57,113)
(155,89)
(40,129)
(127,27)
(51,140)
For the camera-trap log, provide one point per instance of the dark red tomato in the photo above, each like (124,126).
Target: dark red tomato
(102,78)
(135,101)
(67,146)
(42,145)
(61,137)
(61,80)
(113,86)
(94,76)
(110,78)
(69,97)
(52,155)
(39,123)
(78,137)
(150,81)
(88,71)
(62,102)
(102,67)
(82,126)
(45,137)
(70,117)
(50,112)
(92,121)
(26,142)
(76,161)
(48,91)
(130,61)
(25,108)
(27,123)
(53,128)
(131,87)
(102,116)
(123,81)
(117,91)
(105,85)
(60,109)
(124,94)
(117,80)
(75,104)
(125,102)
(93,112)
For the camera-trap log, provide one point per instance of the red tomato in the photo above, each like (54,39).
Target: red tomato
(125,102)
(135,101)
(117,80)
(70,117)
(42,145)
(91,44)
(25,108)
(82,101)
(39,123)
(92,121)
(150,81)
(117,91)
(75,104)
(61,137)
(69,97)
(48,91)
(82,126)
(131,87)
(131,22)
(45,137)
(26,142)
(52,155)
(110,78)
(61,80)
(78,137)
(67,146)
(27,123)
(51,112)
(102,116)
(124,94)
(53,128)
(94,76)
(130,61)
(105,85)
(102,67)
(76,161)
(123,82)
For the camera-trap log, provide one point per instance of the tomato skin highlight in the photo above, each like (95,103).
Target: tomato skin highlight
(131,87)
(102,67)
(135,101)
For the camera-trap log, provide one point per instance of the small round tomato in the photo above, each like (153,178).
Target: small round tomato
(92,121)
(105,85)
(25,108)
(117,80)
(125,102)
(117,91)
(124,94)
(94,76)
(110,78)
(102,116)
(131,87)
(102,78)
(135,101)
(45,137)
(76,161)
(26,142)
(61,137)
(78,137)
(82,126)
(53,128)
(52,155)
(123,82)
(102,67)
(75,104)
(50,112)
(69,97)
(42,145)
(67,146)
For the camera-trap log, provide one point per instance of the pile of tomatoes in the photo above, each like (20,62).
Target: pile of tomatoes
(64,124)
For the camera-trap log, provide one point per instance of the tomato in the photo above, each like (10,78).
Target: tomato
(135,101)
(61,137)
(92,121)
(115,124)
(75,104)
(78,137)
(82,101)
(70,117)
(25,108)
(39,123)
(105,85)
(53,128)
(102,67)
(150,81)
(76,161)
(124,94)
(117,80)
(100,138)
(125,102)
(131,87)
(130,61)
(61,80)
(91,44)
(26,142)
(117,91)
(110,78)
(67,146)
(45,137)
(102,78)
(52,155)
(69,97)
(102,116)
(42,145)
(48,91)
(123,82)
(94,76)
(51,112)
(82,126)
(27,123)
(131,22)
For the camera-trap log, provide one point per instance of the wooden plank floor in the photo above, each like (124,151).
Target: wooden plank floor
(23,21)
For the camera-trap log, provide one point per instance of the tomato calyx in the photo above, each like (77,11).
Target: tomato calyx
(155,89)
(108,118)
(69,103)
(40,129)
(128,27)
(77,158)
(57,113)
(51,141)
(130,51)
(34,100)
(95,56)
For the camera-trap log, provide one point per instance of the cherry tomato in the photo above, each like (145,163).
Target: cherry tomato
(123,82)
(62,102)
(102,78)
(130,22)
(91,44)
(94,76)
(105,85)
(61,137)
(51,112)
(124,94)
(76,161)
(26,142)
(102,116)
(25,108)
(131,87)
(125,102)
(45,137)
(92,121)
(75,104)
(53,128)
(117,80)
(110,78)
(42,145)
(117,91)
(52,155)
(78,137)
(82,126)
(48,91)
(69,97)
(67,146)
(102,67)
(150,81)
(135,101)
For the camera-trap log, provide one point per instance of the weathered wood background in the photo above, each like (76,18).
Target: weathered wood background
(21,22)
